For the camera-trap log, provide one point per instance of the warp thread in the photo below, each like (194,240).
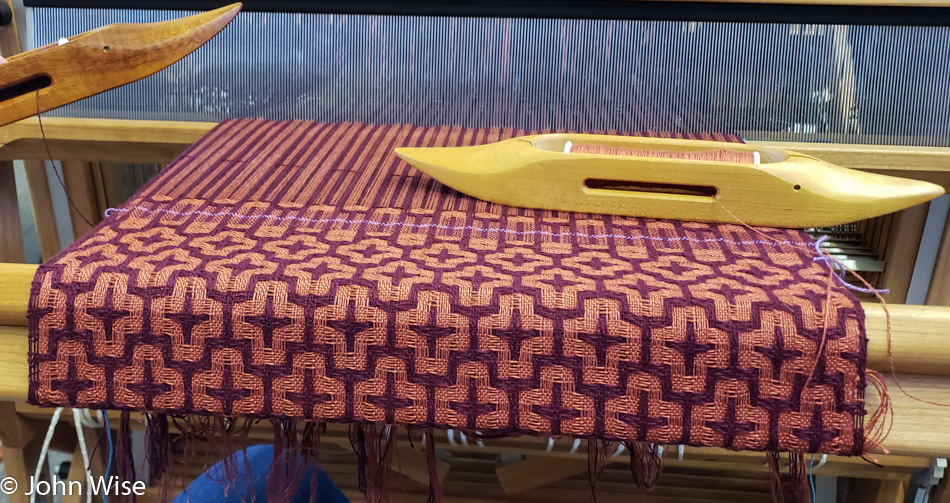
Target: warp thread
(125,464)
(286,470)
(645,464)
(435,485)
(310,449)
(158,450)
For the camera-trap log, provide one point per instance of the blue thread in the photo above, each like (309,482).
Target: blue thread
(105,420)
(811,478)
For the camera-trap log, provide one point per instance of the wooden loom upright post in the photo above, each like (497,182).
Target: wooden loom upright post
(11,235)
(20,441)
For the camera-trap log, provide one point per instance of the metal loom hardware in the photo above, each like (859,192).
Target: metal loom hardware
(99,60)
(785,189)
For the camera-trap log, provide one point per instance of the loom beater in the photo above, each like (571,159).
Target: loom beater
(90,63)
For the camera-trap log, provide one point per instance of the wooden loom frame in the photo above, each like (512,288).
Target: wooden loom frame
(919,332)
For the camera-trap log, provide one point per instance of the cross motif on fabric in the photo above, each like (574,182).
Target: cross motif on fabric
(555,412)
(432,332)
(96,256)
(109,313)
(559,282)
(730,427)
(72,385)
(728,292)
(816,434)
(476,279)
(642,420)
(400,273)
(445,255)
(645,289)
(515,334)
(187,318)
(147,387)
(472,408)
(389,400)
(224,242)
(690,347)
(151,239)
(601,340)
(228,394)
(778,353)
(308,397)
(349,326)
(167,261)
(268,322)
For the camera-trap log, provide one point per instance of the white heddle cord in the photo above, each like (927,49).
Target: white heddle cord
(81,438)
(45,449)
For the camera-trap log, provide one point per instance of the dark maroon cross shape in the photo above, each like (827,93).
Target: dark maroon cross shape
(728,292)
(108,313)
(519,259)
(319,270)
(400,273)
(445,255)
(601,339)
(431,331)
(778,353)
(268,322)
(228,393)
(166,261)
(645,289)
(515,335)
(817,300)
(690,347)
(187,317)
(224,242)
(297,247)
(472,408)
(596,263)
(308,397)
(476,279)
(556,412)
(370,250)
(678,269)
(151,239)
(147,388)
(244,265)
(72,385)
(389,400)
(730,427)
(559,282)
(642,420)
(92,258)
(350,327)
(815,434)
(759,272)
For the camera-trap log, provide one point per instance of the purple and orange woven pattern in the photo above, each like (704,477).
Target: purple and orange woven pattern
(300,270)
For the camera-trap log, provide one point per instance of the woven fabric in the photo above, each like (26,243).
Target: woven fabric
(295,269)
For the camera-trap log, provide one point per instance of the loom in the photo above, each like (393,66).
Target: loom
(808,78)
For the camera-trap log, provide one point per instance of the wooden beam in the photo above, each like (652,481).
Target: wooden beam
(939,293)
(113,140)
(11,234)
(901,253)
(100,139)
(42,202)
(84,211)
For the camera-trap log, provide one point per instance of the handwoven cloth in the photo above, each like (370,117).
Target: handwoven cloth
(300,270)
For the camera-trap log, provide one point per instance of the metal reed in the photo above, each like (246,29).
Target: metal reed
(856,84)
